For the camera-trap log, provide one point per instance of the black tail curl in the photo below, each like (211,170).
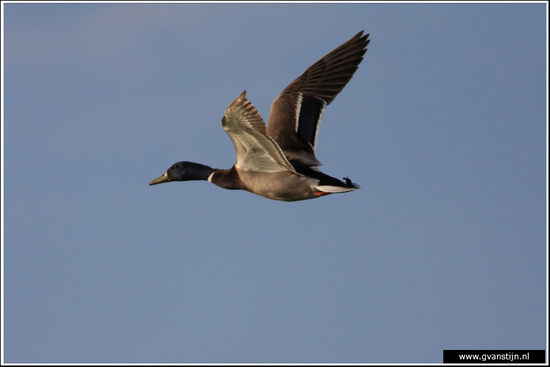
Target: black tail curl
(349,183)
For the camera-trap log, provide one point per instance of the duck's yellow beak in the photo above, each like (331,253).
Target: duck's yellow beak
(161,179)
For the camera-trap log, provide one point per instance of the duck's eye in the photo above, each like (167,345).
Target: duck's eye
(175,166)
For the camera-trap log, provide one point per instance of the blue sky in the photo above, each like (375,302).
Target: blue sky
(443,126)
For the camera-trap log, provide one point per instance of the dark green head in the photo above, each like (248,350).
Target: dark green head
(184,171)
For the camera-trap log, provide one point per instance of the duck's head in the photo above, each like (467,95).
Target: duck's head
(184,171)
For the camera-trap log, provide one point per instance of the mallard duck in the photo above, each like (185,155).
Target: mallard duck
(278,161)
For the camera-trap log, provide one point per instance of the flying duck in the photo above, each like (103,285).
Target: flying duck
(278,161)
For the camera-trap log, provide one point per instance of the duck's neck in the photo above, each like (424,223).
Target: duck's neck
(226,178)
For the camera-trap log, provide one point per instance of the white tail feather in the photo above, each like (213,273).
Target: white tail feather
(335,189)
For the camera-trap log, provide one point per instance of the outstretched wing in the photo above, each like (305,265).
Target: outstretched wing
(297,112)
(255,150)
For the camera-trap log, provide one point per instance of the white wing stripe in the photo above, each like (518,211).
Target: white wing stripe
(298,110)
(318,127)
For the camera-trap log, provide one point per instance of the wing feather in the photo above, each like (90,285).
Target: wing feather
(296,114)
(255,150)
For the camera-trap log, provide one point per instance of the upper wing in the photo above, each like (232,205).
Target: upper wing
(255,150)
(297,112)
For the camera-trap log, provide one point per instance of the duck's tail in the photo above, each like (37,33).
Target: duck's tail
(327,184)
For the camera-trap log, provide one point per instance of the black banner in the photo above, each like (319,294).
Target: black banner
(494,356)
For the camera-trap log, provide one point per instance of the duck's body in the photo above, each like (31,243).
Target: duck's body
(279,162)
(286,186)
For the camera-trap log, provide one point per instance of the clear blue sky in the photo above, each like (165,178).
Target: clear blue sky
(443,126)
